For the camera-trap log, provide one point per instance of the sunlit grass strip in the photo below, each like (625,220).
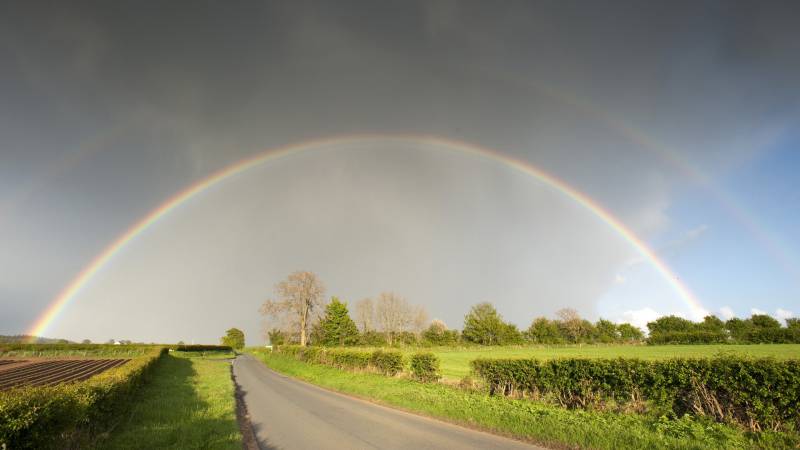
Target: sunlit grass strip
(188,404)
(536,422)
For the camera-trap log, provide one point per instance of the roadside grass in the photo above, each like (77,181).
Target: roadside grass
(528,420)
(455,362)
(188,403)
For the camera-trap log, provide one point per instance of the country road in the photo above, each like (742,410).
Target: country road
(288,414)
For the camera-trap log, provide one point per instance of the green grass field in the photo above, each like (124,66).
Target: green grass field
(188,403)
(533,421)
(455,361)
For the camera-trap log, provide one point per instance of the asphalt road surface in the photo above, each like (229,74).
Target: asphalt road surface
(289,414)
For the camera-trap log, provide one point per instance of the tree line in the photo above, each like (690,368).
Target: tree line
(299,315)
(758,329)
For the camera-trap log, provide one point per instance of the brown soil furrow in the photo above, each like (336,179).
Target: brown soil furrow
(44,373)
(9,361)
(34,369)
(56,371)
(57,374)
(88,372)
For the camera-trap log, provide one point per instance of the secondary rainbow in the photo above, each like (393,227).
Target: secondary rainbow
(84,277)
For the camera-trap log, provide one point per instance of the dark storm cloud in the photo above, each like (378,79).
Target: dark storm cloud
(177,90)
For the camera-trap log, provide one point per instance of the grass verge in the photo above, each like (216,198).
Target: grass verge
(536,422)
(189,403)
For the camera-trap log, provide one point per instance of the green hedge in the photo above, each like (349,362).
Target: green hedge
(54,416)
(759,394)
(203,348)
(688,337)
(389,363)
(37,350)
(425,367)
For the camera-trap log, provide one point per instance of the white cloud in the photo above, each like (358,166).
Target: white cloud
(727,312)
(756,311)
(783,314)
(639,317)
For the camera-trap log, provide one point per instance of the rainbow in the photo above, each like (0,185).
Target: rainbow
(84,277)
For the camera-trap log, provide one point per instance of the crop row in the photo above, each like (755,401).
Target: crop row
(43,373)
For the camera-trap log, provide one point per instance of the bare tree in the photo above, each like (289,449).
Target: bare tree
(393,313)
(571,321)
(298,304)
(419,320)
(365,314)
(438,326)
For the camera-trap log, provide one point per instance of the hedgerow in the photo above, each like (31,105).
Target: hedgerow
(53,416)
(688,337)
(389,363)
(38,350)
(203,348)
(425,367)
(759,394)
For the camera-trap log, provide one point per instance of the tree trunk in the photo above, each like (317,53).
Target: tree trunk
(303,320)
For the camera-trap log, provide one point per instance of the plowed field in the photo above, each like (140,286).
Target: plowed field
(46,372)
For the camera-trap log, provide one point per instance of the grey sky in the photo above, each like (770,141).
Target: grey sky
(108,109)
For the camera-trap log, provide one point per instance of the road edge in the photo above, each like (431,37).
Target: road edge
(249,441)
(459,424)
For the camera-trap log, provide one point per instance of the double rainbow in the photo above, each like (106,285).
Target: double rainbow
(68,294)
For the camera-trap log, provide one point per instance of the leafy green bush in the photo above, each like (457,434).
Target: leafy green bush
(760,394)
(203,348)
(348,359)
(389,363)
(425,367)
(39,350)
(53,416)
(688,337)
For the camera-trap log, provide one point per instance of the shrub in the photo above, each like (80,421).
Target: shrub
(203,348)
(373,339)
(425,367)
(755,393)
(348,359)
(54,416)
(389,363)
(688,337)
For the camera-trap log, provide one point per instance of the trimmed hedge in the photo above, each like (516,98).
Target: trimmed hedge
(759,394)
(425,367)
(54,416)
(389,363)
(688,337)
(203,348)
(37,350)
